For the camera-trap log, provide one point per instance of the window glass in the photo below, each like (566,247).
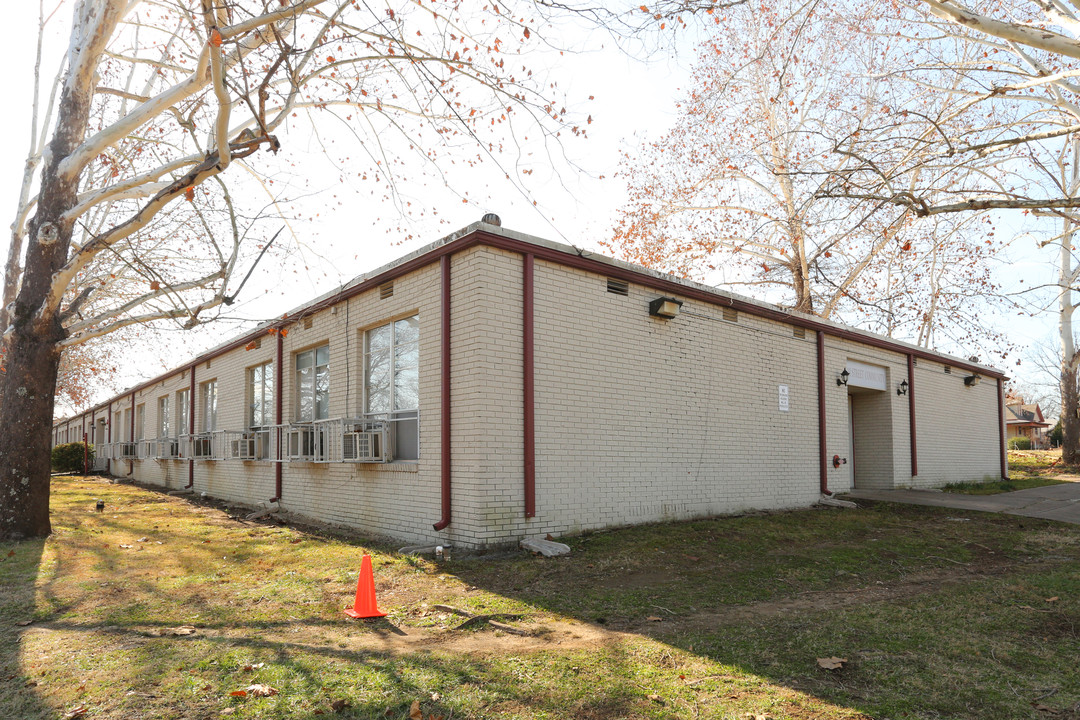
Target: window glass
(164,421)
(209,400)
(261,382)
(183,412)
(140,422)
(313,384)
(392,382)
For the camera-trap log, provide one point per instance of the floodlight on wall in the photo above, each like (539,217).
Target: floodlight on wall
(902,389)
(665,307)
(972,380)
(842,380)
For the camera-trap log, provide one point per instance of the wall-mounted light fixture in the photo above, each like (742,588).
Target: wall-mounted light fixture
(665,307)
(902,389)
(842,380)
(972,380)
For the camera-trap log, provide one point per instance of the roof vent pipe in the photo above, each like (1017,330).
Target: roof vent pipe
(492,219)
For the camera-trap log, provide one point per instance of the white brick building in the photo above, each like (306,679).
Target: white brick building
(494,386)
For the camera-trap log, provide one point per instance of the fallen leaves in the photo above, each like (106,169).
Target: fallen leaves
(831,663)
(415,713)
(261,691)
(180,631)
(654,618)
(75,713)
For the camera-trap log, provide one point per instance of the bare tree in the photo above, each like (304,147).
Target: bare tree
(1005,139)
(733,190)
(124,215)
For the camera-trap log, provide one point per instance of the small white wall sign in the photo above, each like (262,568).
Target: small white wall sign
(784,404)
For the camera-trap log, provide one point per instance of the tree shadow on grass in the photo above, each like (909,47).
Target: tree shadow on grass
(936,618)
(20,564)
(937,651)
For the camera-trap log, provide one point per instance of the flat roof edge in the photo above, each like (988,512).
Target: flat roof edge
(480,233)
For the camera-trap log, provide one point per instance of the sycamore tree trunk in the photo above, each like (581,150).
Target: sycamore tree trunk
(28,388)
(26,410)
(31,342)
(1070,424)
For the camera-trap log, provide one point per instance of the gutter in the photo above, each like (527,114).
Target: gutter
(640,277)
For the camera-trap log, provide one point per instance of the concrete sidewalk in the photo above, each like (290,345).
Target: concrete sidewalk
(1054,502)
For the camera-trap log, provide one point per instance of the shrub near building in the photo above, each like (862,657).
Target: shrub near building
(69,457)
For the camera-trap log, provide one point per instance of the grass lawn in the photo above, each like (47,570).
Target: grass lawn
(1027,469)
(938,614)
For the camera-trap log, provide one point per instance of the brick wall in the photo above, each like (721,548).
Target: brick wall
(638,418)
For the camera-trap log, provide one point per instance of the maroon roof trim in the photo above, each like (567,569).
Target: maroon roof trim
(581,262)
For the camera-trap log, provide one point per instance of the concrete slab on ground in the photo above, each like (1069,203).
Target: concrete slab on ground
(1053,502)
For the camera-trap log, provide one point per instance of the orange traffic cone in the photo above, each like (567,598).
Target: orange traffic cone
(365,606)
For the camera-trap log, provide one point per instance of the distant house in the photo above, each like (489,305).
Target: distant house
(1025,420)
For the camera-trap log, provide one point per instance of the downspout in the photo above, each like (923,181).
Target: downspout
(444,370)
(191,429)
(108,435)
(529,416)
(1001,432)
(85,449)
(823,470)
(911,415)
(131,437)
(278,381)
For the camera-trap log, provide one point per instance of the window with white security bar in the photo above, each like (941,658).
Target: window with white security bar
(313,384)
(392,383)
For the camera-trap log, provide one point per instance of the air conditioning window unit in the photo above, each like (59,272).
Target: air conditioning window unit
(365,443)
(242,449)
